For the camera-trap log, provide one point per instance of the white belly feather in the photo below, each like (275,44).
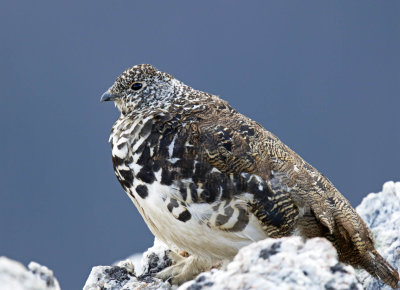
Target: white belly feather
(194,235)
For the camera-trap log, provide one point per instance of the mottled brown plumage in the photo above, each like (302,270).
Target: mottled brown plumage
(208,180)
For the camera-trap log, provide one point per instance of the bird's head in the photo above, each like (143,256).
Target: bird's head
(140,87)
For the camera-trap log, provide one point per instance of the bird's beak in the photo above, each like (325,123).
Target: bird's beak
(107,96)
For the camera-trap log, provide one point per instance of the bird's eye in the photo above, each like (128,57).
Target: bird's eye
(136,86)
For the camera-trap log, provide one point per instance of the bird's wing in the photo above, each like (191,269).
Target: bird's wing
(241,146)
(241,160)
(230,151)
(312,192)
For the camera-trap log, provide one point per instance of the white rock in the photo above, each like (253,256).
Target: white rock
(128,274)
(152,261)
(119,278)
(381,213)
(287,263)
(155,258)
(14,276)
(135,260)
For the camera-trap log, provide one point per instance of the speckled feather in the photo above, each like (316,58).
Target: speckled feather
(209,180)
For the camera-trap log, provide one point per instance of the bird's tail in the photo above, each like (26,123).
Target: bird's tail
(376,265)
(358,245)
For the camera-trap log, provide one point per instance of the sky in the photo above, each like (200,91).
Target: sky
(324,76)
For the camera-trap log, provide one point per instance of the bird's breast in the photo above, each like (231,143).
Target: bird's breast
(184,201)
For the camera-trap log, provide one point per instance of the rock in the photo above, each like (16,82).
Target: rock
(135,260)
(381,213)
(272,263)
(286,263)
(126,274)
(14,276)
(120,278)
(155,258)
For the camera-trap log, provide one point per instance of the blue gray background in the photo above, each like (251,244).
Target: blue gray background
(322,75)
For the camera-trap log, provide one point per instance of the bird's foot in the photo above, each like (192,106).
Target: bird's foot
(184,269)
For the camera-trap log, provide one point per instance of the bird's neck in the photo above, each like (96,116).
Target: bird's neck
(180,99)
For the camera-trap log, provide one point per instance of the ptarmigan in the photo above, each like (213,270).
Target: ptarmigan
(208,180)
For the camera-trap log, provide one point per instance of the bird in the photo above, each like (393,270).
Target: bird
(208,180)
